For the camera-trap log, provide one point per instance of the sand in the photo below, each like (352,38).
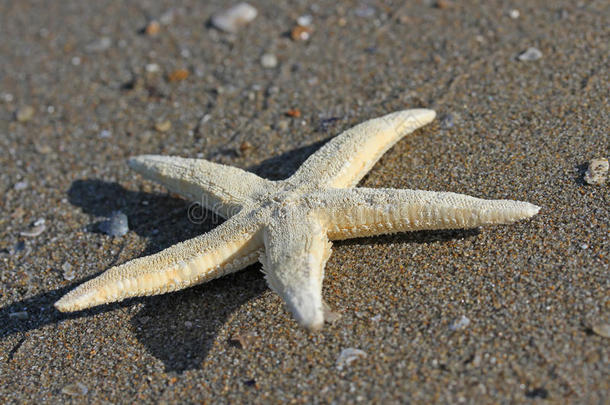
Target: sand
(508,314)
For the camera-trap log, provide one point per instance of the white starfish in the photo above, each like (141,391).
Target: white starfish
(287,224)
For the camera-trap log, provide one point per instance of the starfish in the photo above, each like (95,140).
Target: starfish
(287,225)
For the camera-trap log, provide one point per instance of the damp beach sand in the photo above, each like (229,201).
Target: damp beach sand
(515,313)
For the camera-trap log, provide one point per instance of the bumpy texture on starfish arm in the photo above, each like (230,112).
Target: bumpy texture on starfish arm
(287,224)
(220,188)
(352,213)
(223,250)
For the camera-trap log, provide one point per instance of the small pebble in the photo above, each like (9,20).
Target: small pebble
(152,28)
(7,97)
(232,19)
(188,324)
(460,324)
(152,68)
(20,185)
(514,13)
(294,113)
(76,389)
(245,339)
(348,356)
(269,60)
(448,121)
(76,60)
(19,315)
(24,113)
(301,33)
(178,75)
(105,134)
(305,20)
(602,329)
(100,45)
(530,54)
(597,171)
(168,17)
(245,148)
(283,125)
(163,126)
(34,231)
(116,225)
(68,271)
(364,11)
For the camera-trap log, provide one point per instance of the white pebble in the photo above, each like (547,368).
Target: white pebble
(76,389)
(167,18)
(100,45)
(597,171)
(514,13)
(7,97)
(530,54)
(232,19)
(305,20)
(21,185)
(269,60)
(152,68)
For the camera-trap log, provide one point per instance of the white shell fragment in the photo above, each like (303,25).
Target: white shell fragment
(348,356)
(530,54)
(232,19)
(75,390)
(460,324)
(597,171)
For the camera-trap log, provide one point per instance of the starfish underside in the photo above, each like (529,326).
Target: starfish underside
(287,225)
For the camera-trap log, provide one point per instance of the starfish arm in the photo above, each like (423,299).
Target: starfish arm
(220,188)
(360,212)
(225,249)
(295,254)
(345,159)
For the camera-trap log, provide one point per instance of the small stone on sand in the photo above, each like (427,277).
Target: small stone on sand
(116,225)
(24,113)
(269,60)
(602,329)
(20,185)
(460,324)
(597,171)
(163,126)
(232,19)
(74,390)
(530,54)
